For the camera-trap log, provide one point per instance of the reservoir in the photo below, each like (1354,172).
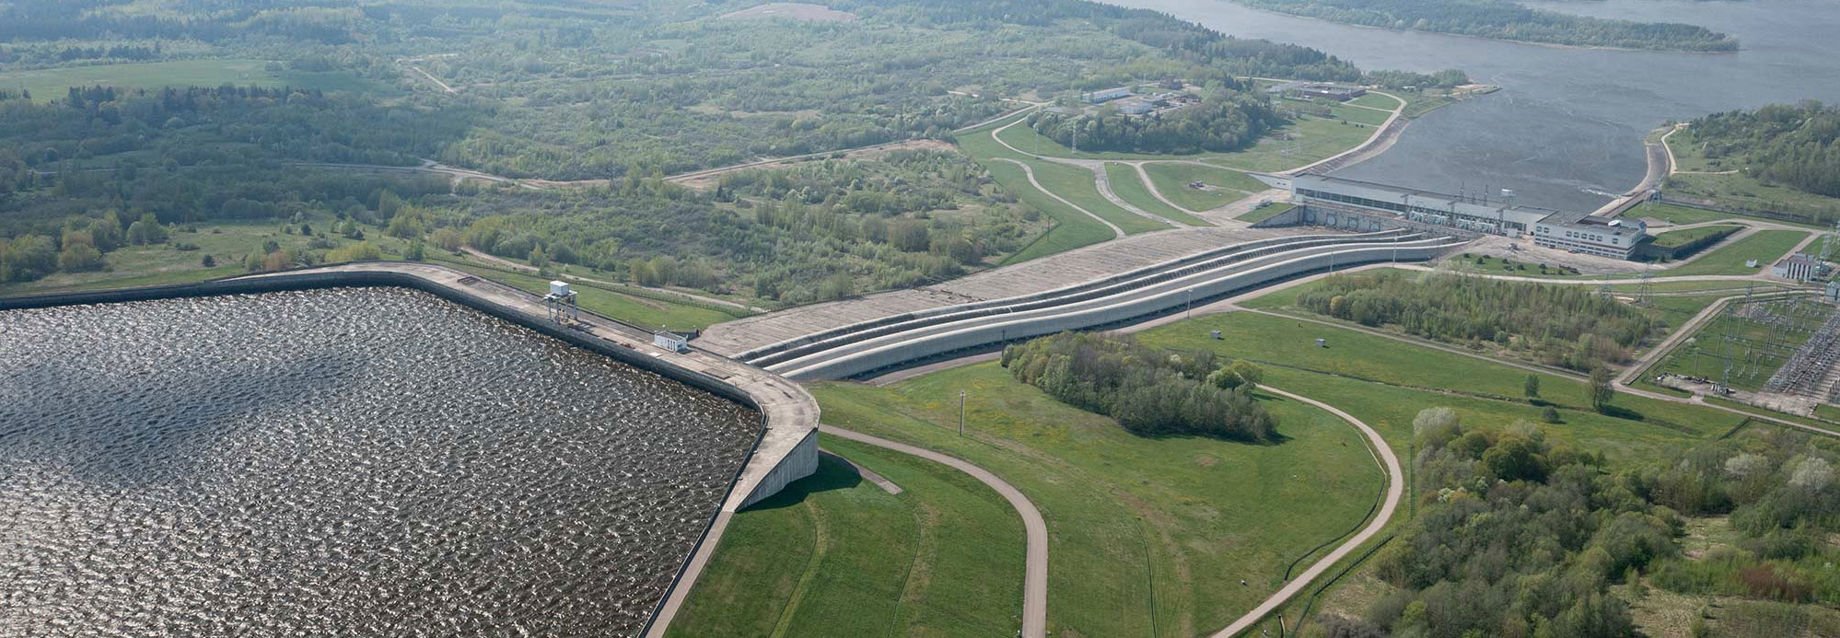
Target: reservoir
(1568,124)
(345,462)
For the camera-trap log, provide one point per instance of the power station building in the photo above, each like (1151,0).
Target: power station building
(1572,232)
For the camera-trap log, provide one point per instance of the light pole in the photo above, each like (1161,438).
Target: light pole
(961,412)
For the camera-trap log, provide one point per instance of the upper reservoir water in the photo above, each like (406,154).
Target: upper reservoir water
(356,462)
(1567,126)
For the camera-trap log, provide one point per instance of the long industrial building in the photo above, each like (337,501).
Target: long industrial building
(1353,199)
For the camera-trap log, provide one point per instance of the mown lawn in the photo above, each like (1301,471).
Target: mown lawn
(1765,246)
(1072,228)
(1076,185)
(1130,186)
(834,555)
(1147,536)
(1172,179)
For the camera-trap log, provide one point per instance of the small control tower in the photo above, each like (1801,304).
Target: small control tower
(561,303)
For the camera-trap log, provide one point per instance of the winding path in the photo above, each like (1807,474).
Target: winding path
(1035,573)
(1118,233)
(1395,489)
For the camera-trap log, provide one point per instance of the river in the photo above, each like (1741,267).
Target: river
(1566,129)
(352,462)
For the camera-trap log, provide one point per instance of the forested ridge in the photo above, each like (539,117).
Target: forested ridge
(1507,20)
(1786,144)
(1569,326)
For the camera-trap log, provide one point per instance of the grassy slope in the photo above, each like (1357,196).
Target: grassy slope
(1076,185)
(1172,181)
(834,555)
(51,84)
(1265,212)
(1313,139)
(1678,238)
(1765,246)
(1147,536)
(1129,186)
(1072,228)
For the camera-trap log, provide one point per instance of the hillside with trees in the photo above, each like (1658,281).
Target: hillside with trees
(1793,145)
(1520,536)
(616,96)
(1568,326)
(1228,120)
(1506,20)
(1149,392)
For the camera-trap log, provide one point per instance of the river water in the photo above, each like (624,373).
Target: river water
(355,462)
(1567,127)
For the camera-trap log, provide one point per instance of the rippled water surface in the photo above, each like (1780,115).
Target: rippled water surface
(362,462)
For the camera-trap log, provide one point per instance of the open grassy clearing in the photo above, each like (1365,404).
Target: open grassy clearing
(1147,536)
(1076,185)
(640,311)
(1747,192)
(1172,179)
(1677,214)
(1306,140)
(1391,380)
(1265,212)
(1358,115)
(52,84)
(834,555)
(1128,185)
(1765,246)
(1376,100)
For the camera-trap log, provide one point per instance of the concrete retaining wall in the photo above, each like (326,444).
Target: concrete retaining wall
(980,335)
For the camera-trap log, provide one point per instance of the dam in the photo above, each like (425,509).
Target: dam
(369,460)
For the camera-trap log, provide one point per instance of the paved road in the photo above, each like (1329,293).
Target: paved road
(1118,233)
(1035,573)
(1395,488)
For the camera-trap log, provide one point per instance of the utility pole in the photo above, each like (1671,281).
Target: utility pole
(961,413)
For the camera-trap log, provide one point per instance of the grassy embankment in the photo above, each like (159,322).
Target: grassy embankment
(1072,228)
(52,84)
(646,311)
(1130,186)
(1265,212)
(834,555)
(1677,238)
(1147,536)
(1172,179)
(1765,246)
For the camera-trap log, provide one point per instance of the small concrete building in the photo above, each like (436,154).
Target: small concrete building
(1107,95)
(1310,90)
(1799,267)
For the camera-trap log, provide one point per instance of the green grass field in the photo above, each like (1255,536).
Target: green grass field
(1172,180)
(1369,117)
(1675,214)
(1129,186)
(1072,228)
(1376,100)
(1678,238)
(52,84)
(1765,246)
(835,555)
(1305,140)
(1388,381)
(1076,185)
(1147,536)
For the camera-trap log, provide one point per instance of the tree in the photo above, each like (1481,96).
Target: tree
(146,230)
(208,262)
(79,257)
(1433,427)
(1532,387)
(1550,415)
(1601,390)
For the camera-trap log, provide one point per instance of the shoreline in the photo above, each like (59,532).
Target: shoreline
(1550,45)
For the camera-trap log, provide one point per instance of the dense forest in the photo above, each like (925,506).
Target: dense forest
(1228,120)
(1568,326)
(1506,20)
(1150,393)
(1784,144)
(1518,536)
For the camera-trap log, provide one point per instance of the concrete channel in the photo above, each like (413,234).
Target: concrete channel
(885,346)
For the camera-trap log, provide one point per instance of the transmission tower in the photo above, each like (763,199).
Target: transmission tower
(1646,287)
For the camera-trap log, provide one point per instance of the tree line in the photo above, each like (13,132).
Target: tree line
(1569,326)
(1149,392)
(1227,120)
(1507,20)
